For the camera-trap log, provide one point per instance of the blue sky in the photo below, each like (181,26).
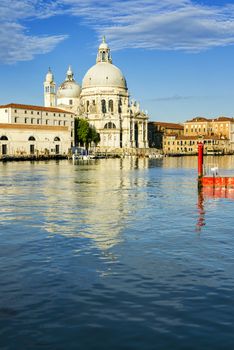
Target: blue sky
(177,55)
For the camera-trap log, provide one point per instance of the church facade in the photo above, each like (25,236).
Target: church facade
(103,100)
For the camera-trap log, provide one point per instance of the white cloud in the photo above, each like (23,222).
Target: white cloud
(165,25)
(16,43)
(148,24)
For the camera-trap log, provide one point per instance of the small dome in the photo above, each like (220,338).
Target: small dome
(104,74)
(68,89)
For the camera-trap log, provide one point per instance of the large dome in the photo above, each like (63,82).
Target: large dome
(68,89)
(104,74)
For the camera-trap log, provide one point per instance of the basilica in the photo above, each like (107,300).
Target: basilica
(103,100)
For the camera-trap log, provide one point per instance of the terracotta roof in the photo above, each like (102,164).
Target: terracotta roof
(202,119)
(168,125)
(35,108)
(223,119)
(198,119)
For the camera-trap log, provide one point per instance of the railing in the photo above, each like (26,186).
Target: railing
(211,169)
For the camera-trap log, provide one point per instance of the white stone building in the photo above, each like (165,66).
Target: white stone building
(103,99)
(35,130)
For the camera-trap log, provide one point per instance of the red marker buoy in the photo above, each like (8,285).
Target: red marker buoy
(200,163)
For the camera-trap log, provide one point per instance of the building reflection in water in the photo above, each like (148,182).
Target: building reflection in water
(210,193)
(101,199)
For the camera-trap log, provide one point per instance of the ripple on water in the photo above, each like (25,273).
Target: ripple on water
(120,254)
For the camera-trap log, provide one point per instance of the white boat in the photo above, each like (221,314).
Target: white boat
(76,157)
(156,156)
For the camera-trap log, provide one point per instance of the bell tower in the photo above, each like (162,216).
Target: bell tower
(49,90)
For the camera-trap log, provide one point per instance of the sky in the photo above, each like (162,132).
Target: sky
(176,55)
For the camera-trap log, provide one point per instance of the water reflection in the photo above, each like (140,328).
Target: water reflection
(101,198)
(201,212)
(207,195)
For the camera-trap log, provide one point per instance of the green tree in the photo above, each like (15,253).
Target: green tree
(94,135)
(85,134)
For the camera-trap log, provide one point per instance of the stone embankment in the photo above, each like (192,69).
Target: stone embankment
(31,158)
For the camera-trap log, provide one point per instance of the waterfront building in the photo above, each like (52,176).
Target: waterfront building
(221,127)
(35,130)
(103,100)
(157,130)
(187,145)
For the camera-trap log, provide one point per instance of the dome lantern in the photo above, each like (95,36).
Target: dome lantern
(104,54)
(70,75)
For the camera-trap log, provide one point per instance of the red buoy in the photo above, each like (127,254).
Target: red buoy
(200,163)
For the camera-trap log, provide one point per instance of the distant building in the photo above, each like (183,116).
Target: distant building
(221,127)
(29,130)
(157,130)
(185,145)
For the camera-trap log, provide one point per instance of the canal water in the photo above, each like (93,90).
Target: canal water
(115,254)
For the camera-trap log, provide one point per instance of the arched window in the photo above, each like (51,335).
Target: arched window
(4,138)
(103,102)
(111,106)
(56,138)
(110,125)
(31,138)
(87,106)
(120,106)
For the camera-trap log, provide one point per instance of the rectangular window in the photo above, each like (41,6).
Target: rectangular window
(32,149)
(25,120)
(16,119)
(4,149)
(38,121)
(31,112)
(25,112)
(32,120)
